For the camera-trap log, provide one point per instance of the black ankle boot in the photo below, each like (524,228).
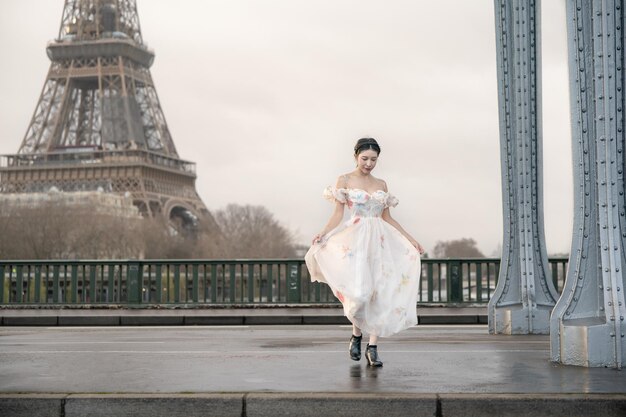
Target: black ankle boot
(355,347)
(371,354)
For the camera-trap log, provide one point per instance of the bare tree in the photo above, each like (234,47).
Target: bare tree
(460,248)
(248,231)
(107,237)
(37,232)
(162,241)
(56,230)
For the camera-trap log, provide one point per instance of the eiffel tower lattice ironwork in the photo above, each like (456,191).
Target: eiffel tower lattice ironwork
(98,124)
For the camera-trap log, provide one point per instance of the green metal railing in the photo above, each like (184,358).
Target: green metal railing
(231,282)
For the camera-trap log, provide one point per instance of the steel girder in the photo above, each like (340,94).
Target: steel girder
(587,325)
(524,296)
(89,19)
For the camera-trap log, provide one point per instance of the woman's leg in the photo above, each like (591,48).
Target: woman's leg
(355,343)
(371,352)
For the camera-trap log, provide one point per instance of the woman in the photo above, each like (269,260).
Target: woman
(370,262)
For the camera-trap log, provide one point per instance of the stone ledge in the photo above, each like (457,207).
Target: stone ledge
(334,404)
(155,405)
(215,320)
(312,404)
(321,319)
(524,405)
(32,405)
(448,319)
(30,321)
(89,320)
(272,320)
(152,320)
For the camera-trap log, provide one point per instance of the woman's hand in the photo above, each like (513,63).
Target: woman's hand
(420,249)
(317,238)
(417,246)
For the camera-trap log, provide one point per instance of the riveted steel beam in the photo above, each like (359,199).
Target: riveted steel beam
(587,325)
(524,296)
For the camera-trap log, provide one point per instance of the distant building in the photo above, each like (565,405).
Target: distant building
(110,204)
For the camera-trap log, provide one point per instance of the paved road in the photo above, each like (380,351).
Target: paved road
(218,359)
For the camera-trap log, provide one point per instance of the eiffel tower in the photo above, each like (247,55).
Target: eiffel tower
(98,125)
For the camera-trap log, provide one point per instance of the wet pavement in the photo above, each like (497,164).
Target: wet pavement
(285,359)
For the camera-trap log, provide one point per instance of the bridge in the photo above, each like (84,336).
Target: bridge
(168,333)
(430,371)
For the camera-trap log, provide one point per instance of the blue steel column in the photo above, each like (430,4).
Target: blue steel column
(524,296)
(587,325)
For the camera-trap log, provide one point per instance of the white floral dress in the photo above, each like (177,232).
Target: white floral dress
(369,265)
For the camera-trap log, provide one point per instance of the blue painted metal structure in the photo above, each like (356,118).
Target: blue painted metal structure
(524,296)
(587,325)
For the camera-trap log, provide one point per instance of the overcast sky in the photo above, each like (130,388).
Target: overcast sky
(267,97)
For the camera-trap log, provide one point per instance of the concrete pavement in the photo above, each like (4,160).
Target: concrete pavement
(291,370)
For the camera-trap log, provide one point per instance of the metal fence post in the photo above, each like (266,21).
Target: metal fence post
(455,282)
(2,284)
(19,286)
(293,283)
(133,282)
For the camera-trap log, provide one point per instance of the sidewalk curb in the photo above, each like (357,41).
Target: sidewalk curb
(311,404)
(215,320)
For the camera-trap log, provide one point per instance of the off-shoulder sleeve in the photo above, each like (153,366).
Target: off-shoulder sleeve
(391,200)
(335,194)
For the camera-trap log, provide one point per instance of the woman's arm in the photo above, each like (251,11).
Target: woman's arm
(386,216)
(337,216)
(333,222)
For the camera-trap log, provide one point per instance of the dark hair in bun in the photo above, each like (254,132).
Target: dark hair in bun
(364,144)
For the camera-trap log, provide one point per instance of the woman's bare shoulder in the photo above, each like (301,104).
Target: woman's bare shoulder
(343,180)
(381,183)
